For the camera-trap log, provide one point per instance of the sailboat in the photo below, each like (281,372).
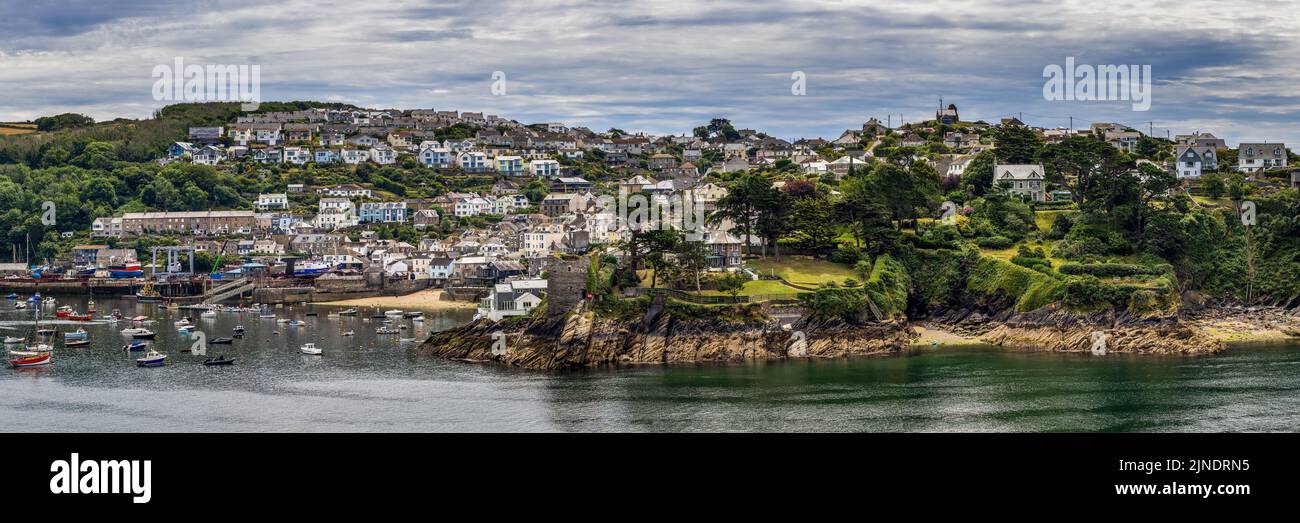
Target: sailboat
(40,354)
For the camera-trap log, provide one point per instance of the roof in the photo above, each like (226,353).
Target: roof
(1018,172)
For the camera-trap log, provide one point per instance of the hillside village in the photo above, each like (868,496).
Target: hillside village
(509,195)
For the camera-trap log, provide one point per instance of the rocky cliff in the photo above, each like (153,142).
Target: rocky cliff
(580,339)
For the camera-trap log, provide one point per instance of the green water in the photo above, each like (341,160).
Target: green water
(369,382)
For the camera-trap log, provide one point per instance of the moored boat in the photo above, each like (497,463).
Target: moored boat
(152,358)
(79,334)
(222,340)
(310,348)
(135,346)
(29,358)
(76,343)
(219,360)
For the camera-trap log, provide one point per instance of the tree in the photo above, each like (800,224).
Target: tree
(732,284)
(693,256)
(742,202)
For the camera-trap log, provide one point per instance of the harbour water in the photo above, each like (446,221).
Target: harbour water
(371,382)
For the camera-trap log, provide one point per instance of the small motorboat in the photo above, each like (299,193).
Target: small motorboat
(349,333)
(406,340)
(297,323)
(219,360)
(29,358)
(332,316)
(283,320)
(417,319)
(152,358)
(12,296)
(19,305)
(393,312)
(386,330)
(10,340)
(185,322)
(135,346)
(310,348)
(80,317)
(46,332)
(309,314)
(348,312)
(90,307)
(377,316)
(208,314)
(141,319)
(222,340)
(76,343)
(140,333)
(63,312)
(79,334)
(239,328)
(186,329)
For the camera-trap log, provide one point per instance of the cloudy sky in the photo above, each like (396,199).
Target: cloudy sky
(665,66)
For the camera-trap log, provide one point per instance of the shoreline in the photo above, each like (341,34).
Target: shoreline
(426,300)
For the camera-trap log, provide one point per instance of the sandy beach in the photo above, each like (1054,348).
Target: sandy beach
(428,299)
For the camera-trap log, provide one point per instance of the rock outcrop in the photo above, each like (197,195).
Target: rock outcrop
(579,339)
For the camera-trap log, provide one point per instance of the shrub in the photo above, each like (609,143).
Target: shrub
(995,242)
(1112,270)
(1025,288)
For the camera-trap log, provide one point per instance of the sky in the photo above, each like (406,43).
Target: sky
(666,66)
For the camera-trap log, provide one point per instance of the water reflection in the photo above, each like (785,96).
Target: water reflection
(371,382)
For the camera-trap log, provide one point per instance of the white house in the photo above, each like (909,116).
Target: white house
(383,155)
(266,202)
(354,156)
(435,156)
(295,155)
(513,298)
(473,161)
(544,168)
(1253,157)
(1189,162)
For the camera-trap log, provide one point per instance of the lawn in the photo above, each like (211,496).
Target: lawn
(803,270)
(1044,219)
(756,287)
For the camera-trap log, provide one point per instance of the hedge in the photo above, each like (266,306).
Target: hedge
(1112,270)
(1028,289)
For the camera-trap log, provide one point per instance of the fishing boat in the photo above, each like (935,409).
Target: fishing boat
(79,334)
(239,328)
(219,360)
(147,294)
(310,348)
(310,268)
(63,312)
(348,312)
(125,270)
(80,317)
(135,346)
(76,343)
(90,307)
(222,340)
(152,358)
